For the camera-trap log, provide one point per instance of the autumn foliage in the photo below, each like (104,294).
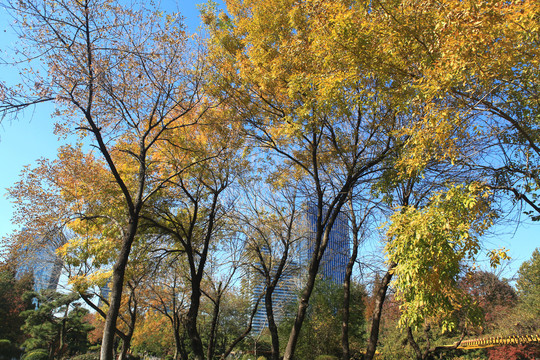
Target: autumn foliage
(420,114)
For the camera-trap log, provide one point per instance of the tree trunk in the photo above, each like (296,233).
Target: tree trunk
(191,321)
(63,331)
(272,327)
(126,344)
(304,299)
(119,269)
(321,242)
(413,344)
(346,304)
(213,327)
(377,312)
(179,352)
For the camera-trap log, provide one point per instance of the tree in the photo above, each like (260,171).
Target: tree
(495,297)
(56,325)
(191,214)
(528,286)
(120,78)
(152,336)
(168,297)
(360,211)
(88,257)
(431,247)
(12,304)
(272,226)
(321,331)
(325,131)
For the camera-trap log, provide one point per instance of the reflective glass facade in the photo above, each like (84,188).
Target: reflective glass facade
(332,265)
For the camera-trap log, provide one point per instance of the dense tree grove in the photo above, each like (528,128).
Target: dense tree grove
(206,175)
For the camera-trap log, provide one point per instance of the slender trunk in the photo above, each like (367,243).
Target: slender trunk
(346,304)
(413,344)
(321,242)
(126,344)
(191,321)
(126,340)
(63,331)
(119,269)
(213,328)
(177,342)
(377,313)
(272,327)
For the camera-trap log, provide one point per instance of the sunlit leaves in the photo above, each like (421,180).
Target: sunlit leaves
(433,246)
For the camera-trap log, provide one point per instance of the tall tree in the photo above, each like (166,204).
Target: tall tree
(119,77)
(191,213)
(325,131)
(273,229)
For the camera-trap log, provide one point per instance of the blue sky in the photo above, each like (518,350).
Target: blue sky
(24,141)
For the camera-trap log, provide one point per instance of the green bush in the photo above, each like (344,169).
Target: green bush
(4,343)
(36,354)
(87,356)
(8,350)
(326,357)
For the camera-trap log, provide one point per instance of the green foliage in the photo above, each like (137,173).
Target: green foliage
(56,324)
(528,283)
(431,247)
(37,354)
(12,304)
(321,332)
(528,286)
(326,357)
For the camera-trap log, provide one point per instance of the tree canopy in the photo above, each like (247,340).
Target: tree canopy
(195,160)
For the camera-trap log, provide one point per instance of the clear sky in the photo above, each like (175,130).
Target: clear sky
(31,137)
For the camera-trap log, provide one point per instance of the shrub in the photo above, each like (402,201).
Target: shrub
(87,356)
(36,354)
(326,357)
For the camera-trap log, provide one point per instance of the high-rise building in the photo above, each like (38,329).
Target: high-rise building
(41,260)
(337,253)
(332,266)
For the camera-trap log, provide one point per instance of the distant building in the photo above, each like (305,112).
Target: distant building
(332,267)
(337,253)
(41,260)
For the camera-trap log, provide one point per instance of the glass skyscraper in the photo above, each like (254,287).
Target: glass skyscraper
(41,260)
(332,266)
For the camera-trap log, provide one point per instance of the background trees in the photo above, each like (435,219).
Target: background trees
(56,325)
(12,304)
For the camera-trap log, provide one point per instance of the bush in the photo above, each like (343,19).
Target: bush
(37,354)
(326,357)
(87,356)
(8,350)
